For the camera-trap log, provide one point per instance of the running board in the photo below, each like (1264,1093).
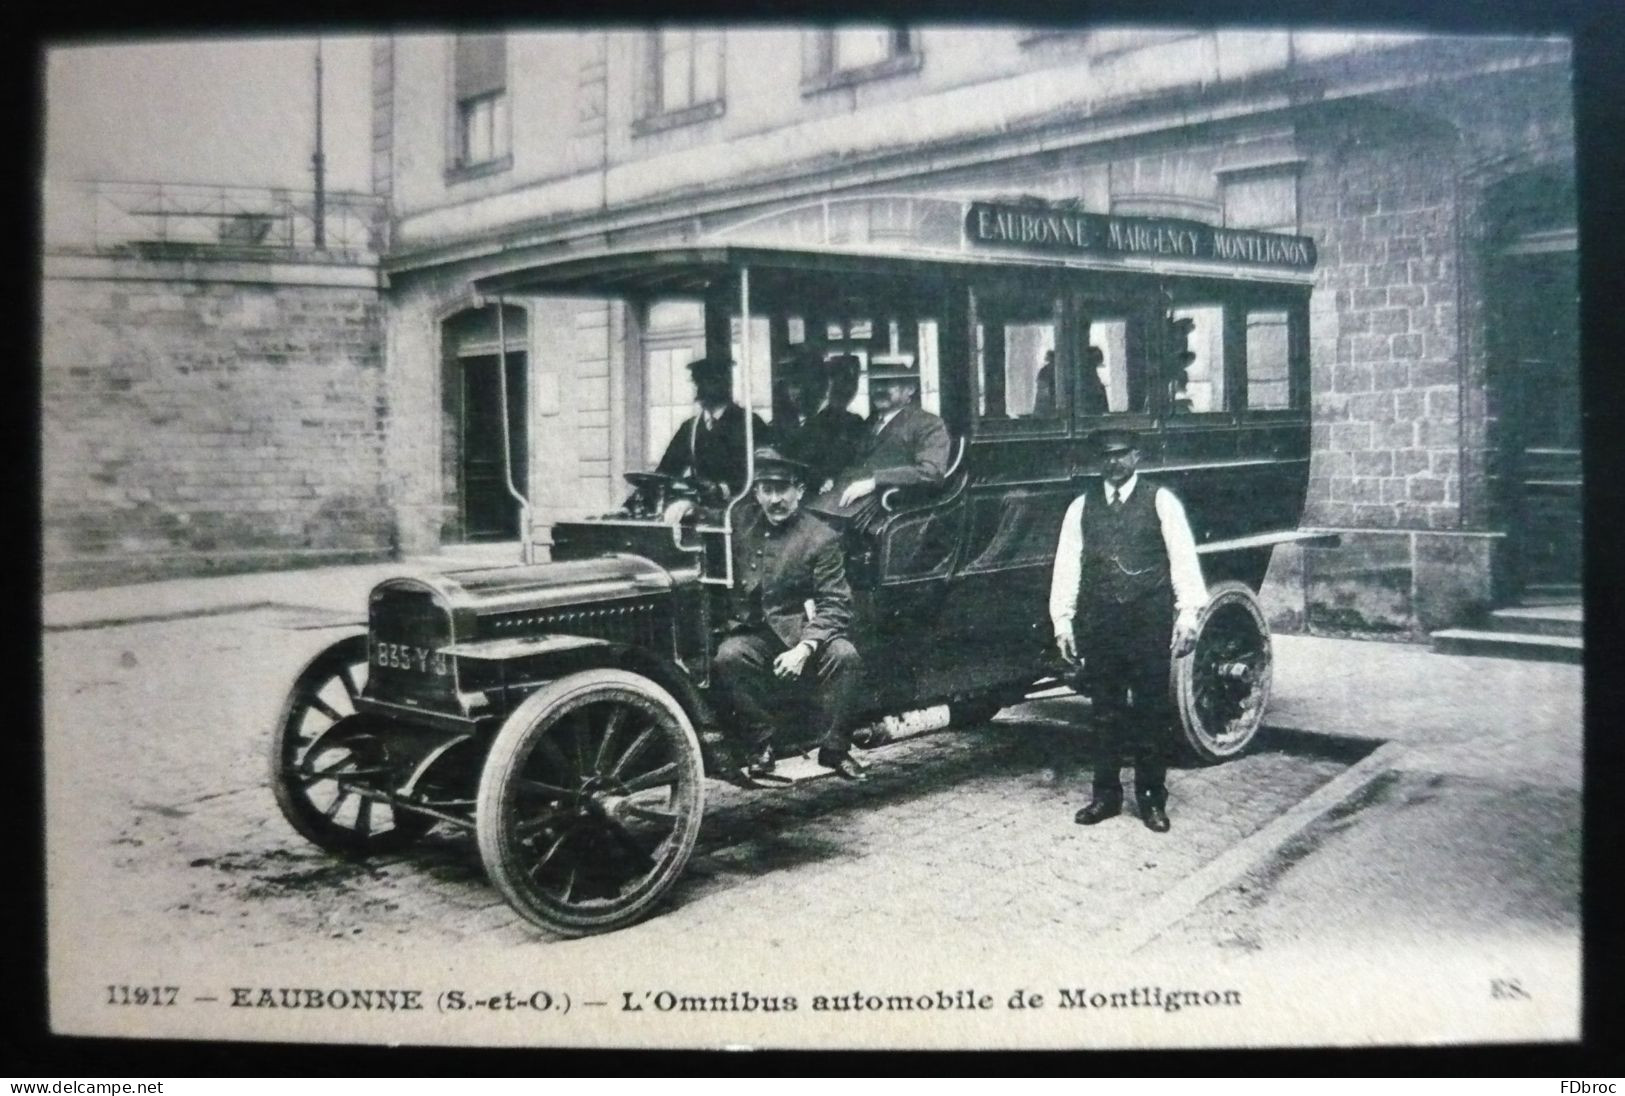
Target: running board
(802,767)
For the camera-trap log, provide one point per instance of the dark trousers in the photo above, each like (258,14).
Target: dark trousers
(763,701)
(1125,652)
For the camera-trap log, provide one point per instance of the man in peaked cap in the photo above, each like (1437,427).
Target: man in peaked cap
(905,445)
(784,558)
(1127,590)
(711,445)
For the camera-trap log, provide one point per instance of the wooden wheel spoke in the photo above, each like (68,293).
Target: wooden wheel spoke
(633,752)
(623,837)
(578,740)
(650,814)
(323,773)
(532,826)
(543,788)
(363,816)
(549,749)
(569,884)
(612,727)
(324,707)
(347,675)
(552,851)
(338,801)
(665,774)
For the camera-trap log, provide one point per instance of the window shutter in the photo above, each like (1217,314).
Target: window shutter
(481,63)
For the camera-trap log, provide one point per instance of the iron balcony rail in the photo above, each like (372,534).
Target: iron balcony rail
(120,215)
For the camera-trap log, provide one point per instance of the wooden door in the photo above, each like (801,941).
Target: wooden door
(489,512)
(1536,311)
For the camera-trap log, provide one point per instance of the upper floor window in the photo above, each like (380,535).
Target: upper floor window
(683,79)
(849,55)
(480,93)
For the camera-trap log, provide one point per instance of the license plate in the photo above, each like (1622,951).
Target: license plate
(408,656)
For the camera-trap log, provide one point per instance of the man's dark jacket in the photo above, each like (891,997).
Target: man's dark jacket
(825,442)
(778,569)
(912,449)
(717,454)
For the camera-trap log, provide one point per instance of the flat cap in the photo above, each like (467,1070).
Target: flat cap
(773,466)
(1114,439)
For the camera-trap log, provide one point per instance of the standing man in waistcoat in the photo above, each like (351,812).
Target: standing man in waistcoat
(1125,594)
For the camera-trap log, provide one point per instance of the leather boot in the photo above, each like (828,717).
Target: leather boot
(1100,808)
(843,763)
(760,762)
(1154,813)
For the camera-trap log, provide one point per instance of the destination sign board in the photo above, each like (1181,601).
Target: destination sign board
(1040,229)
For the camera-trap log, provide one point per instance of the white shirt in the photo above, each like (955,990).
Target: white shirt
(887,418)
(1185,570)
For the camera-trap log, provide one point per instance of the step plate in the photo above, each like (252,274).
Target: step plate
(1520,645)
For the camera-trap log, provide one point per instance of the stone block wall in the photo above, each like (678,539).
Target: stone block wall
(1378,198)
(199,418)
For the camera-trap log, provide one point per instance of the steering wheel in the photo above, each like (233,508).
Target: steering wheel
(658,483)
(654,492)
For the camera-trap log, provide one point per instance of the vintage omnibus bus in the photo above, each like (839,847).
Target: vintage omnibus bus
(564,711)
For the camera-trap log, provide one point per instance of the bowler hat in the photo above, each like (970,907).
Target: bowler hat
(772,465)
(1114,440)
(720,368)
(893,367)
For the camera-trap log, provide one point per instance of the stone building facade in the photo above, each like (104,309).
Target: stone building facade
(201,415)
(1390,151)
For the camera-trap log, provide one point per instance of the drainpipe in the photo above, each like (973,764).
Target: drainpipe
(527,550)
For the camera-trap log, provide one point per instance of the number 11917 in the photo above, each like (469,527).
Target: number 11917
(161,996)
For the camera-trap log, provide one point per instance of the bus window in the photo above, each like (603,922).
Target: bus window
(1268,388)
(760,365)
(1017,362)
(1103,382)
(930,376)
(1201,387)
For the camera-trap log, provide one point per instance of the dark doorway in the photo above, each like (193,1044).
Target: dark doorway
(1534,340)
(489,512)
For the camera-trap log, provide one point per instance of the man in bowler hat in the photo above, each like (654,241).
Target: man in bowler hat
(905,445)
(1126,592)
(711,446)
(785,557)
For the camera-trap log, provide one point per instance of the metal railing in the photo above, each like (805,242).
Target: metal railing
(123,215)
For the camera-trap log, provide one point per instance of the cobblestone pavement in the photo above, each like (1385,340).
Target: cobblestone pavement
(163,822)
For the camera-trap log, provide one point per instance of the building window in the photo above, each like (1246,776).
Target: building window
(1269,385)
(480,93)
(846,56)
(683,79)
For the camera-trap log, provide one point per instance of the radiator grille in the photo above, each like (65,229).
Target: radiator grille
(639,623)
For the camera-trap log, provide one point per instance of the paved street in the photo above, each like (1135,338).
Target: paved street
(964,826)
(164,823)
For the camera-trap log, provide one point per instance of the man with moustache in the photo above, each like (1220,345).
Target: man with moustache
(904,446)
(1126,591)
(785,557)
